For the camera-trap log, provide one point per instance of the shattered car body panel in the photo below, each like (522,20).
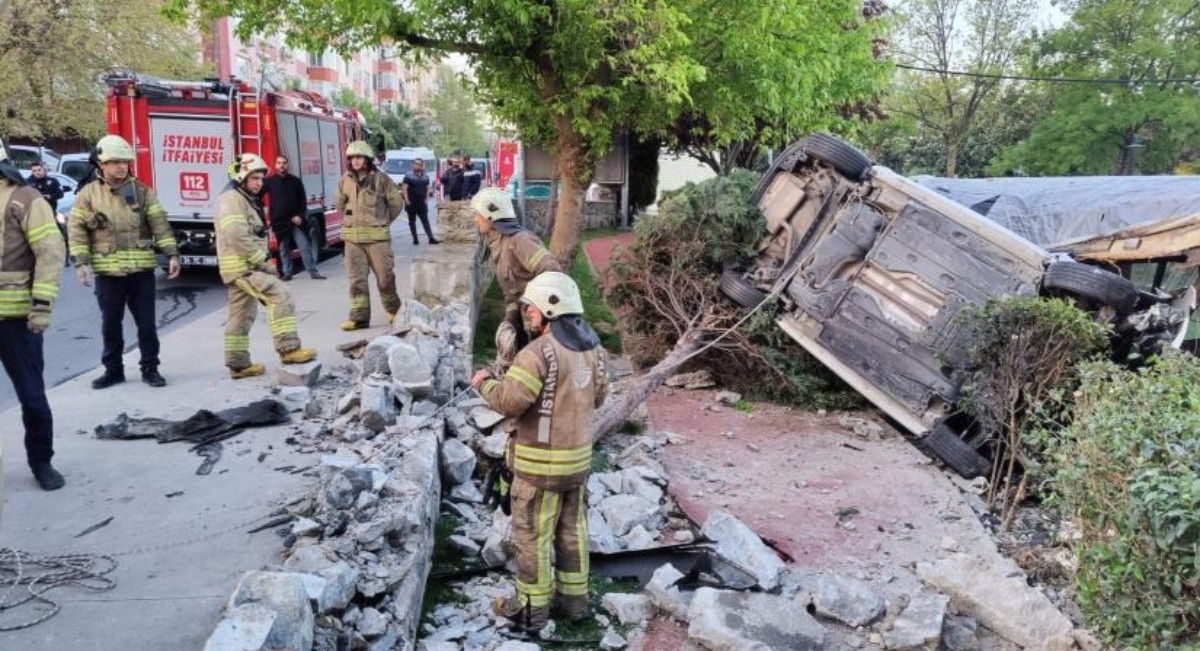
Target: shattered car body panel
(873,269)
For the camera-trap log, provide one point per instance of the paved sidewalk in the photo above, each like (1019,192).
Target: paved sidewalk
(189,549)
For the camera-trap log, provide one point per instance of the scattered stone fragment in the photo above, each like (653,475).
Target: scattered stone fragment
(1004,604)
(377,409)
(458,461)
(493,445)
(244,628)
(373,623)
(612,641)
(736,542)
(484,418)
(624,512)
(666,596)
(283,593)
(638,538)
(695,380)
(464,545)
(724,620)
(515,645)
(466,492)
(959,634)
(919,625)
(306,527)
(629,609)
(847,600)
(728,398)
(300,375)
(862,427)
(600,535)
(296,398)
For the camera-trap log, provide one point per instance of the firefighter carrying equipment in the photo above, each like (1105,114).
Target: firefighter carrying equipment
(116,229)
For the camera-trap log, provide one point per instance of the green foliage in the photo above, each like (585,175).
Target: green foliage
(1100,128)
(643,173)
(398,125)
(594,308)
(456,125)
(672,270)
(444,559)
(491,312)
(1128,471)
(55,53)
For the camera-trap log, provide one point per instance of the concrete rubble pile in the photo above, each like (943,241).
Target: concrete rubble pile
(359,546)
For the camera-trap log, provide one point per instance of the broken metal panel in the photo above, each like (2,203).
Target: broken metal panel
(1176,237)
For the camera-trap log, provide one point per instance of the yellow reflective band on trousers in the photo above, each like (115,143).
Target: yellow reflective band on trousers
(551,463)
(123,260)
(14,302)
(576,583)
(237,343)
(537,592)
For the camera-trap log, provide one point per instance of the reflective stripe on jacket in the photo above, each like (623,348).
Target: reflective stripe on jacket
(241,236)
(368,206)
(117,229)
(520,257)
(31,251)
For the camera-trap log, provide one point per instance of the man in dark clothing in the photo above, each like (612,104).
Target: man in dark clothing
(472,178)
(46,185)
(415,190)
(452,180)
(289,208)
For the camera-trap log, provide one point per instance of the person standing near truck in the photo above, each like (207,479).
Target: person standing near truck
(116,226)
(289,219)
(415,189)
(369,202)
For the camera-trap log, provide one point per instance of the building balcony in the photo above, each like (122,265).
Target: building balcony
(388,95)
(322,74)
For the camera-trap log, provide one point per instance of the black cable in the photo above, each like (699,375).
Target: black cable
(1055,80)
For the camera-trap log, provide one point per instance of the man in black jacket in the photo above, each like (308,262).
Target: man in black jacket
(46,185)
(289,211)
(472,178)
(452,180)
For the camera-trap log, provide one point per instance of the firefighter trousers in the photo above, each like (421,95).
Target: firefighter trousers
(550,534)
(245,294)
(376,258)
(21,354)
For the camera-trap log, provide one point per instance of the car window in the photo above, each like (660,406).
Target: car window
(397,166)
(23,158)
(76,169)
(1175,276)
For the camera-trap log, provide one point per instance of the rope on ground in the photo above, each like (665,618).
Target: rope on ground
(26,578)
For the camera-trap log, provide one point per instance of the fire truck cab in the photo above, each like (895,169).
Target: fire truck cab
(185,135)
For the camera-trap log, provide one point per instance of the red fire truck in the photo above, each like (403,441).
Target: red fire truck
(185,135)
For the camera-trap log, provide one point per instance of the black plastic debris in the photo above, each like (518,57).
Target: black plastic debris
(201,428)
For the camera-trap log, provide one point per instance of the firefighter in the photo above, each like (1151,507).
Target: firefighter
(116,226)
(243,260)
(552,388)
(519,256)
(369,201)
(32,258)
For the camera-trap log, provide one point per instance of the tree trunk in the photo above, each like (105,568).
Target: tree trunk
(618,407)
(951,157)
(574,173)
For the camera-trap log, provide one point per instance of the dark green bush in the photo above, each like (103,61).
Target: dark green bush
(1128,469)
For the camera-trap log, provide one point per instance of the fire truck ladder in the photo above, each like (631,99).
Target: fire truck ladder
(247,121)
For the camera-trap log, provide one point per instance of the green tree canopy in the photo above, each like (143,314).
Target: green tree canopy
(54,54)
(455,122)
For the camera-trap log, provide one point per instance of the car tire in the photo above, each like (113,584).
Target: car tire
(947,445)
(1093,284)
(847,160)
(736,287)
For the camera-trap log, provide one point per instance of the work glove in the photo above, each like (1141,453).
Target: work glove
(39,319)
(498,488)
(83,273)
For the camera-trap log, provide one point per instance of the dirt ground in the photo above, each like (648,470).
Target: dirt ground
(830,499)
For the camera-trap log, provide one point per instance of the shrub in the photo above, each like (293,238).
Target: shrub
(1128,469)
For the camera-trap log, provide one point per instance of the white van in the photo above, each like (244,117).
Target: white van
(398,162)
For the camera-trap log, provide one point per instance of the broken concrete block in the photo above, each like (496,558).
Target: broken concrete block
(485,418)
(407,365)
(637,539)
(341,578)
(306,527)
(724,620)
(515,645)
(494,445)
(466,492)
(244,628)
(736,542)
(373,623)
(695,380)
(377,409)
(458,462)
(845,599)
(375,359)
(959,634)
(666,596)
(300,375)
(634,483)
(347,402)
(295,398)
(612,481)
(612,641)
(600,536)
(340,493)
(464,545)
(728,398)
(624,512)
(494,553)
(283,593)
(628,608)
(1003,603)
(919,625)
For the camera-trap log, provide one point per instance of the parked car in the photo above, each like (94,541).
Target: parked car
(23,157)
(873,268)
(398,162)
(75,166)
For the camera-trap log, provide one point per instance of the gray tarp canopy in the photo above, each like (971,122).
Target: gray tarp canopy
(1052,211)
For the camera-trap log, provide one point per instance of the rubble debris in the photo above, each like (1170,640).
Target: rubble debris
(919,625)
(628,608)
(846,599)
(728,398)
(458,461)
(282,593)
(695,380)
(377,409)
(99,525)
(305,374)
(725,620)
(297,398)
(666,596)
(244,628)
(624,512)
(863,428)
(738,543)
(1001,602)
(484,418)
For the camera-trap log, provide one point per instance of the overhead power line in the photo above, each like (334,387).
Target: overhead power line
(1054,80)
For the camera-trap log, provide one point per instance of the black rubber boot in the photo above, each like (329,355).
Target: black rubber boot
(110,377)
(152,377)
(48,478)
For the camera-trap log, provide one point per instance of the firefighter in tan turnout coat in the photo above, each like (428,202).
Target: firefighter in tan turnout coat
(369,202)
(552,388)
(242,257)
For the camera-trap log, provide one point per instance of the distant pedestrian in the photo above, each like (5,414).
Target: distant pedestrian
(415,190)
(289,219)
(46,185)
(452,180)
(32,258)
(472,178)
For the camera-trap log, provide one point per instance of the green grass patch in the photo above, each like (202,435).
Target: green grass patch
(491,312)
(444,558)
(588,628)
(598,233)
(744,405)
(594,308)
(600,461)
(632,427)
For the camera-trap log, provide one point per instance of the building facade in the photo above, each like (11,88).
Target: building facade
(376,74)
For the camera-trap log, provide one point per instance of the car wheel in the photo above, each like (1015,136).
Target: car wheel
(736,287)
(847,160)
(947,445)
(1093,284)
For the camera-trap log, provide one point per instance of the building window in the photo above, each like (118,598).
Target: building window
(316,60)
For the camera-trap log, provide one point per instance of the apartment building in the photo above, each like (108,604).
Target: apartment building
(376,74)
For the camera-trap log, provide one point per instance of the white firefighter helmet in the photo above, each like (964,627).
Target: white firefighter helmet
(249,164)
(494,204)
(554,294)
(110,148)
